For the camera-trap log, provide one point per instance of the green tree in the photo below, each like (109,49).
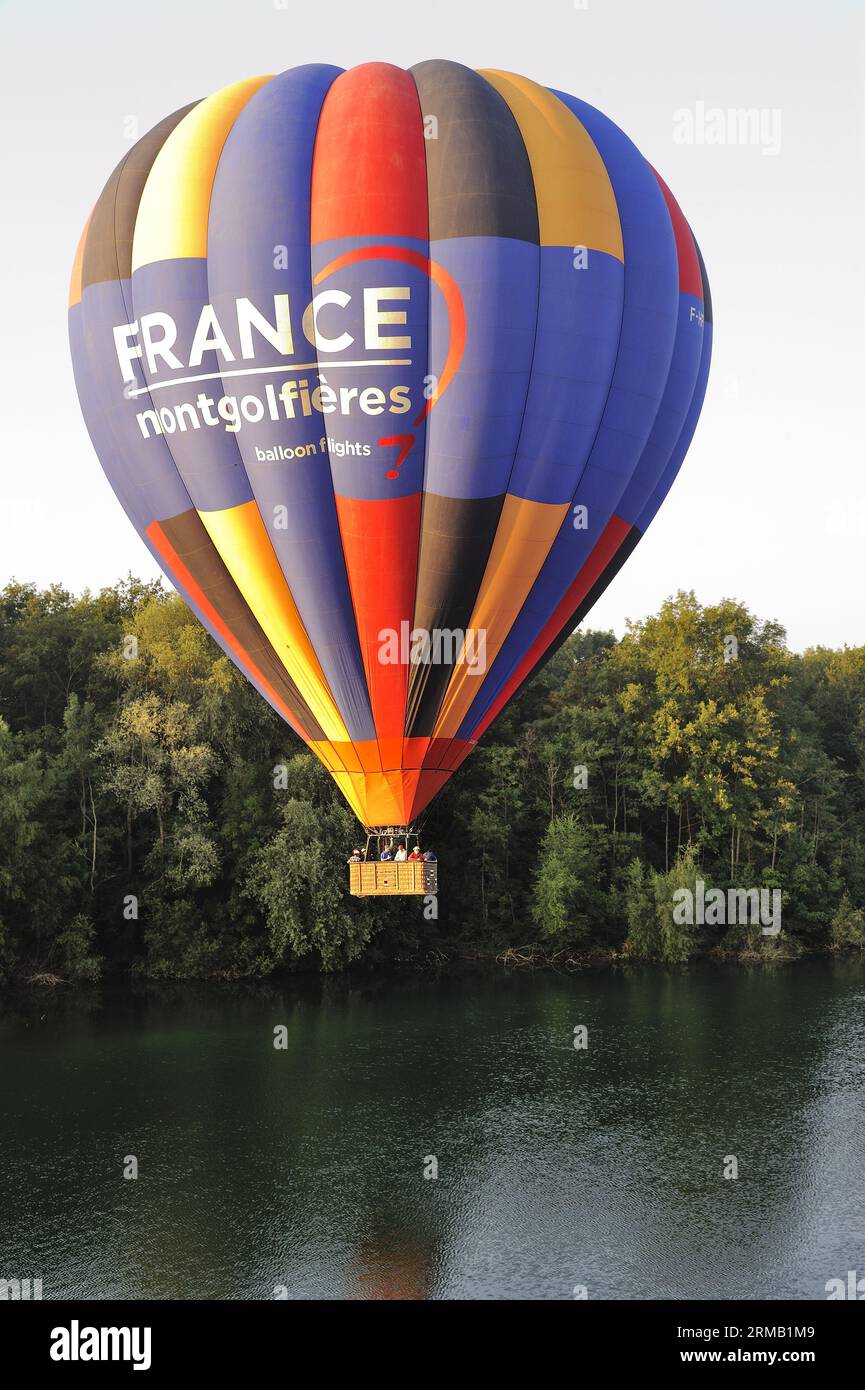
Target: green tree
(848,926)
(641,910)
(298,881)
(569,889)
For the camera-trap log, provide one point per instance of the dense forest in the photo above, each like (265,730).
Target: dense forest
(156,817)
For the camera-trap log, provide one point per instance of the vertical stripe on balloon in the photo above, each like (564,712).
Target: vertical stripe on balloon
(574,351)
(369,187)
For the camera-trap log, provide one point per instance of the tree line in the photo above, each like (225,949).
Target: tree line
(157,817)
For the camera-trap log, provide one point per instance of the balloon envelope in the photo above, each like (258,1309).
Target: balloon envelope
(390,370)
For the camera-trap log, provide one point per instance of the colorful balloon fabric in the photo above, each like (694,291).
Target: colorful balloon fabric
(390,371)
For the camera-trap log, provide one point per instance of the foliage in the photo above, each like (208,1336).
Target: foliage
(569,897)
(143,825)
(848,926)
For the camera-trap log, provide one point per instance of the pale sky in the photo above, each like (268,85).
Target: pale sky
(770,504)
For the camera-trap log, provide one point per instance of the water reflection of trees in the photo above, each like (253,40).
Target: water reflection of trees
(303,1167)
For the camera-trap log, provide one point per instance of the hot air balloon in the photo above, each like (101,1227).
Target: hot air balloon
(390,370)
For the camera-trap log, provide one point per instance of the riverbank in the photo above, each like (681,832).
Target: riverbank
(446,955)
(536,956)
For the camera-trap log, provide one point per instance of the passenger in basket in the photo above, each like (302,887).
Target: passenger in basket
(356,857)
(416,854)
(400,854)
(430,857)
(386,855)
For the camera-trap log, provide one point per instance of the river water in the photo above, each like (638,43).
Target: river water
(305,1170)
